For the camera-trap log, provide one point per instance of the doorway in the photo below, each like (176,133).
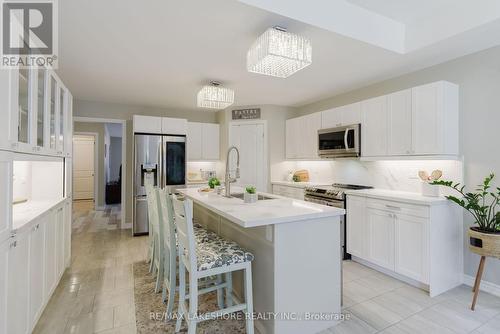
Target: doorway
(250,137)
(84,167)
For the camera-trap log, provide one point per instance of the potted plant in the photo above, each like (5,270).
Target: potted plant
(212,182)
(250,195)
(484,237)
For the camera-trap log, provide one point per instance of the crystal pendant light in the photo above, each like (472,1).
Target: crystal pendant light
(279,53)
(215,97)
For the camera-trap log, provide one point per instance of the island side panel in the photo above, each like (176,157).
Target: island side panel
(259,241)
(307,273)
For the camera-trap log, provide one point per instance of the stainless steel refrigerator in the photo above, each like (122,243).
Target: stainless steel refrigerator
(163,158)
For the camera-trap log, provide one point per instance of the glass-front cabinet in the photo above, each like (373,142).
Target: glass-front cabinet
(35,112)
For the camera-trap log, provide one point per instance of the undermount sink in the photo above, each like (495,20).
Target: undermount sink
(259,196)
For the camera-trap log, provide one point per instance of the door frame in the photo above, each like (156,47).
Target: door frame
(266,144)
(96,165)
(125,223)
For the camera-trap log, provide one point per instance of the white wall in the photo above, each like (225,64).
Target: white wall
(478,76)
(275,117)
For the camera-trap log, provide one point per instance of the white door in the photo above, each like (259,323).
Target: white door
(83,167)
(400,123)
(4,265)
(374,127)
(427,105)
(194,141)
(412,247)
(210,141)
(356,229)
(380,234)
(36,261)
(18,286)
(250,141)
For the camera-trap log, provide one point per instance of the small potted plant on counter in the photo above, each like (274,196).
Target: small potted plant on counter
(250,195)
(213,182)
(484,237)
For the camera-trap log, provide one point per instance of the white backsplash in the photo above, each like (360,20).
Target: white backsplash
(394,174)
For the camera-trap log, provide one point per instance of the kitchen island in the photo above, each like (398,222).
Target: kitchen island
(297,266)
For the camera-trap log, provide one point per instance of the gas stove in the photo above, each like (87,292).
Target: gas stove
(335,192)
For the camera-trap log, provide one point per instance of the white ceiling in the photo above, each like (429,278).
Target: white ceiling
(160,52)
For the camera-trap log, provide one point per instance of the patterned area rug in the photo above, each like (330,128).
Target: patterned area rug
(150,310)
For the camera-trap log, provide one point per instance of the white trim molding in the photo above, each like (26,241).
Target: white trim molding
(485,286)
(125,223)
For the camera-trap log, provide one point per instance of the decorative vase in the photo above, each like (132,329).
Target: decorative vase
(250,198)
(430,190)
(484,243)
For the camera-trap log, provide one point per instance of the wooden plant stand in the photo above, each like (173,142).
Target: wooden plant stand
(485,245)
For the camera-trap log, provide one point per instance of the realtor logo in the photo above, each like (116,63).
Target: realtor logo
(28,35)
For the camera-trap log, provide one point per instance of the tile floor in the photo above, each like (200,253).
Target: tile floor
(377,303)
(96,293)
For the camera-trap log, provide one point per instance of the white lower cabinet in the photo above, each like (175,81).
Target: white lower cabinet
(419,242)
(4,272)
(67,233)
(59,218)
(356,226)
(380,237)
(412,247)
(36,265)
(18,285)
(50,254)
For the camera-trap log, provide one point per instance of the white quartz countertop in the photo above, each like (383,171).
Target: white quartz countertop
(263,212)
(400,196)
(300,184)
(24,213)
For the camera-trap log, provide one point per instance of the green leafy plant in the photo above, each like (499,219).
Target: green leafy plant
(483,203)
(213,182)
(296,178)
(250,189)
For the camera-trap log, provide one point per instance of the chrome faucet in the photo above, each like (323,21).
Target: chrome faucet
(228,180)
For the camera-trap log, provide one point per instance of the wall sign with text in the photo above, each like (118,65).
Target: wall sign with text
(253,113)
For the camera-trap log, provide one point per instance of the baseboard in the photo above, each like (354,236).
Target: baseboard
(486,286)
(126,226)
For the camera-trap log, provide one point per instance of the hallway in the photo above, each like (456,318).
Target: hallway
(96,293)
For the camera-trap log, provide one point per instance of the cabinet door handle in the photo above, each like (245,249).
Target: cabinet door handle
(392,207)
(14,244)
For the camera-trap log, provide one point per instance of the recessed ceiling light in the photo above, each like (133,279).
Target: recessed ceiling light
(279,53)
(214,96)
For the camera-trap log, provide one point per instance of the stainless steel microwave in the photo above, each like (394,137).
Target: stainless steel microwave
(340,142)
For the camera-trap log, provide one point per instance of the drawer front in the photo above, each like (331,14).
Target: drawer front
(399,208)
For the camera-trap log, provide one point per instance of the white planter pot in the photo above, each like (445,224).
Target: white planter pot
(250,198)
(430,190)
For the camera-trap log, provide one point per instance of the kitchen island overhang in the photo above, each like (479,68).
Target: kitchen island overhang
(297,266)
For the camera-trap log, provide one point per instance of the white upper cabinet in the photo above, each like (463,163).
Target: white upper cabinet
(159,125)
(203,141)
(374,127)
(210,141)
(147,124)
(173,126)
(435,119)
(194,141)
(34,114)
(399,123)
(302,137)
(341,116)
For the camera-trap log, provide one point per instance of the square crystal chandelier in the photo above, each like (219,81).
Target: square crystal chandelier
(215,97)
(279,53)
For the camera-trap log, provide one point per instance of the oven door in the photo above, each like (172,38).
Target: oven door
(339,142)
